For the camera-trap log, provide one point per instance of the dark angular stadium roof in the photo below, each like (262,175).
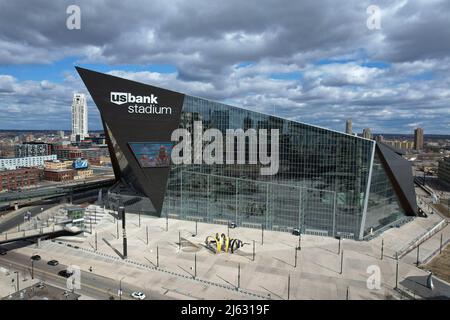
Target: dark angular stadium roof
(399,170)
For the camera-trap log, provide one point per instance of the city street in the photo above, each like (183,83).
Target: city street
(93,286)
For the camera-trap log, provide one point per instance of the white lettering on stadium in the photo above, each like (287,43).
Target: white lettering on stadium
(151,109)
(151,100)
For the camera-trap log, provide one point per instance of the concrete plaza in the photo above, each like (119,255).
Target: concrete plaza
(316,274)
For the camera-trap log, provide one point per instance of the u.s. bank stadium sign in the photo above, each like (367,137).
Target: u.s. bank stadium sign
(139,104)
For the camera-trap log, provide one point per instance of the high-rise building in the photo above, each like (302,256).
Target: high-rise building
(379,138)
(328,183)
(79,117)
(367,133)
(418,138)
(348,126)
(32,149)
(61,134)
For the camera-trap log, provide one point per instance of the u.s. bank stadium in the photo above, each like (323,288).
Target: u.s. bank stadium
(328,183)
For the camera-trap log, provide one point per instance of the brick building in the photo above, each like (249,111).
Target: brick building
(59,175)
(18,178)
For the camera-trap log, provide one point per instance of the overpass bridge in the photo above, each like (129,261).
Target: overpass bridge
(15,199)
(41,233)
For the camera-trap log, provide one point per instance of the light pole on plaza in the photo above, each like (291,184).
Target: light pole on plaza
(120,288)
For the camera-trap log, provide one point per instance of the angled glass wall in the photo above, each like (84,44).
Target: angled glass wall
(383,207)
(320,186)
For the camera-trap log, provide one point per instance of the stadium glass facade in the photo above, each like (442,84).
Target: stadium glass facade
(320,188)
(328,183)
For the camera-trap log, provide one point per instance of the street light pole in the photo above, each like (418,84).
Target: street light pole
(157,256)
(396,271)
(253,250)
(262,234)
(295,262)
(17,273)
(339,248)
(289,286)
(120,288)
(239,275)
(418,250)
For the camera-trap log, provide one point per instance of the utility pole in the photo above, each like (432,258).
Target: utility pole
(347,295)
(299,241)
(139,218)
(117,228)
(167,222)
(32,269)
(146,230)
(95,240)
(342,261)
(382,248)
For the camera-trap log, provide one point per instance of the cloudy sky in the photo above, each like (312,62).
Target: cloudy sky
(312,61)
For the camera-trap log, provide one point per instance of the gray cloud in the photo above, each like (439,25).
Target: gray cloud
(207,40)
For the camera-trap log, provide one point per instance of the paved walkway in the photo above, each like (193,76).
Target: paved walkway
(316,275)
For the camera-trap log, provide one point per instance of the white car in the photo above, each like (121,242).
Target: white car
(138,295)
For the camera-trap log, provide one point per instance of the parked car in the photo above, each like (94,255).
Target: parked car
(138,295)
(3,252)
(53,263)
(36,257)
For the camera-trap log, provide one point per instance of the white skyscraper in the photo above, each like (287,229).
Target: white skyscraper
(79,117)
